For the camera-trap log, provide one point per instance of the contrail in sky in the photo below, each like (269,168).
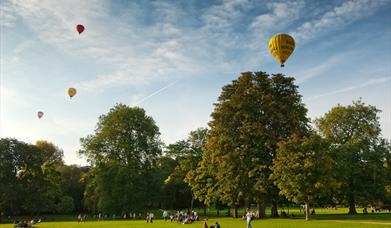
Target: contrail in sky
(155,93)
(359,86)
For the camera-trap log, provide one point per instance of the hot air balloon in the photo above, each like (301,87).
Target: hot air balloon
(281,46)
(72,92)
(40,114)
(80,28)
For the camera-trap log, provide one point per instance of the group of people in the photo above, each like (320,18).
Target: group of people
(103,216)
(150,217)
(182,217)
(26,223)
(81,218)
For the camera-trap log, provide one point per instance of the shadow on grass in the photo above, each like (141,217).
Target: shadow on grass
(375,216)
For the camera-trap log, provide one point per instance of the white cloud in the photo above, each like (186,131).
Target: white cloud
(136,55)
(7,16)
(221,17)
(346,13)
(280,14)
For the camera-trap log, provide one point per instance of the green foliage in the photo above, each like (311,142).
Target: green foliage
(30,182)
(303,169)
(66,205)
(124,149)
(360,153)
(71,184)
(187,154)
(252,115)
(10,163)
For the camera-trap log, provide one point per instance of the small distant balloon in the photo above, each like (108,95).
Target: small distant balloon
(72,92)
(80,28)
(40,114)
(281,47)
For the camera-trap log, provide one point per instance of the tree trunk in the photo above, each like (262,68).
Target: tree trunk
(229,212)
(218,211)
(204,210)
(192,203)
(307,211)
(274,213)
(235,211)
(261,209)
(352,205)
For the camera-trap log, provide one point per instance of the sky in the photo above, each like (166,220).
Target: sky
(173,57)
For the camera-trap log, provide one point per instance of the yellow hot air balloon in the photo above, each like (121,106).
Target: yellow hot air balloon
(72,92)
(281,46)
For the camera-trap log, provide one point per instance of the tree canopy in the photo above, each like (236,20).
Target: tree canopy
(354,131)
(252,115)
(124,150)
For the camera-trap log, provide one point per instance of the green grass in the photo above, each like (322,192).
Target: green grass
(323,218)
(225,223)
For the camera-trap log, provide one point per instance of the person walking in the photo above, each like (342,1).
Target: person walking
(249,216)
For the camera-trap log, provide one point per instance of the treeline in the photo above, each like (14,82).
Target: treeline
(260,148)
(34,179)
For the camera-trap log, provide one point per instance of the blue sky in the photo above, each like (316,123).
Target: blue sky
(172,58)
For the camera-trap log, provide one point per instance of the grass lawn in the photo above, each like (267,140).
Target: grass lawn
(323,218)
(225,223)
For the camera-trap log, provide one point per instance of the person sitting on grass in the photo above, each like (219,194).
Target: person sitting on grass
(205,225)
(217,225)
(283,213)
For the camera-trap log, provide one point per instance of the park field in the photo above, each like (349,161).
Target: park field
(225,223)
(323,218)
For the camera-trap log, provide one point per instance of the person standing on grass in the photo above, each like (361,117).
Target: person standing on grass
(151,215)
(165,214)
(249,216)
(148,216)
(79,218)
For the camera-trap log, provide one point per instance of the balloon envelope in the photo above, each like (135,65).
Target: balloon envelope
(40,114)
(80,28)
(72,92)
(281,47)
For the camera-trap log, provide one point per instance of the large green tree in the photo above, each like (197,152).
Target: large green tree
(303,170)
(187,153)
(29,181)
(124,150)
(10,164)
(252,115)
(354,131)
